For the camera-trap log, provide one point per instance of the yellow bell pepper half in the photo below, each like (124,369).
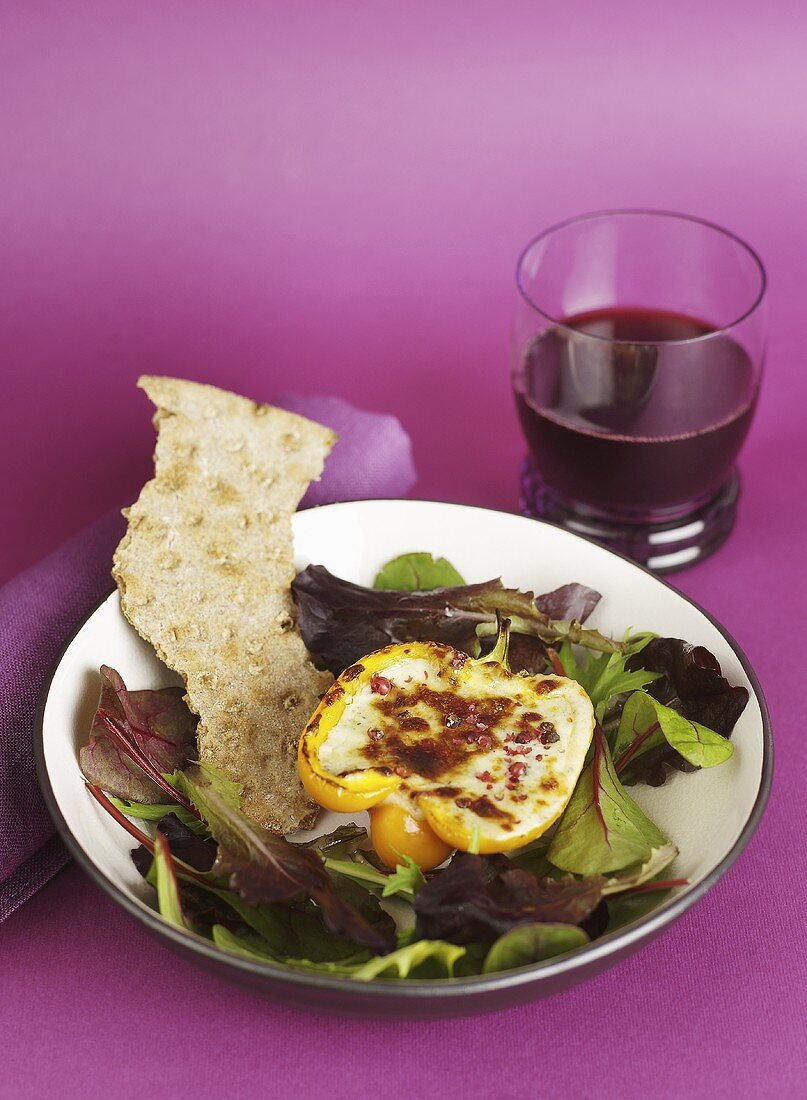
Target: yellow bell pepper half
(446,751)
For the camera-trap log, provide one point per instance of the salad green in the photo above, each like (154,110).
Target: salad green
(326,905)
(417,573)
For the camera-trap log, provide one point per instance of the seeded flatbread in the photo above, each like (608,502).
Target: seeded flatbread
(204,571)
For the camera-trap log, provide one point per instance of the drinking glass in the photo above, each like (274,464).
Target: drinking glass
(637,354)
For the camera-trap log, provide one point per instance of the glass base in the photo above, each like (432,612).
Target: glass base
(664,546)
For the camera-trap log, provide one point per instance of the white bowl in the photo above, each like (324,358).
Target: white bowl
(710,815)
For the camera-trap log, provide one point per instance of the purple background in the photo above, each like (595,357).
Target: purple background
(330,197)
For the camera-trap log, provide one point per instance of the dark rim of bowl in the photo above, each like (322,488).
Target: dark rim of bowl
(419,989)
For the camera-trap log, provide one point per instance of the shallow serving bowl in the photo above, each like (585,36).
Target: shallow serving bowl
(710,815)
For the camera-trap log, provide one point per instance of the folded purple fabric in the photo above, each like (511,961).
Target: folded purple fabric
(372,459)
(40,607)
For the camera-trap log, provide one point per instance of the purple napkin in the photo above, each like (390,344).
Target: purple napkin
(40,607)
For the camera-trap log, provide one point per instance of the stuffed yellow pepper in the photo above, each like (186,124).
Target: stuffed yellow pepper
(446,751)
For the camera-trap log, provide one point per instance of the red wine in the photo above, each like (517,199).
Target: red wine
(629,423)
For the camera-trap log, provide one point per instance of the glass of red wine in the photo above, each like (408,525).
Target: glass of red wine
(638,349)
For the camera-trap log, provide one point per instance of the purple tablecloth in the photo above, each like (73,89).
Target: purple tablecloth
(331,197)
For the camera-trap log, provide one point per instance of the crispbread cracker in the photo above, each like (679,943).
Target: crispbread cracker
(204,571)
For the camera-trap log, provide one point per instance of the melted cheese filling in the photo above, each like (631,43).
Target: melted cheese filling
(474,744)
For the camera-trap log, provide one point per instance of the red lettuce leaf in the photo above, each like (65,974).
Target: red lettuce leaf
(476,899)
(596,923)
(142,858)
(185,845)
(570,601)
(153,726)
(528,654)
(692,683)
(340,622)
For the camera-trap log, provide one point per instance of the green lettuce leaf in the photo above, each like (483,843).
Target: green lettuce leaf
(422,959)
(156,811)
(208,904)
(288,933)
(531,943)
(417,572)
(602,829)
(359,872)
(646,723)
(625,909)
(215,796)
(271,922)
(248,947)
(606,676)
(658,859)
(406,879)
(256,949)
(168,897)
(404,882)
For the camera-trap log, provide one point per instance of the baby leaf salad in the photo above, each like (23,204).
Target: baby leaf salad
(331,904)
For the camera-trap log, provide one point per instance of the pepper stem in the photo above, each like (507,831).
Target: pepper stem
(498,655)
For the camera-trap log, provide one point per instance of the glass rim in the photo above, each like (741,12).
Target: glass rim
(638,211)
